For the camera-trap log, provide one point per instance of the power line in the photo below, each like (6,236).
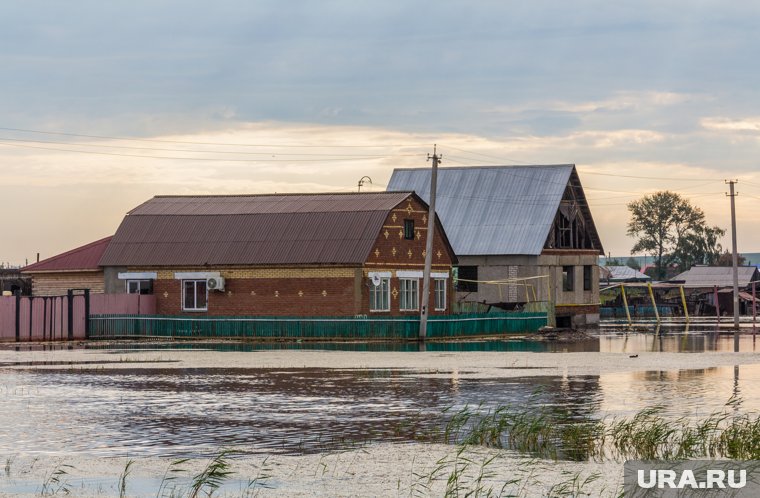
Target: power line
(651,177)
(106,137)
(481,154)
(132,147)
(191,158)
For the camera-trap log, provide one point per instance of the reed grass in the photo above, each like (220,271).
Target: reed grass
(123,478)
(649,434)
(57,481)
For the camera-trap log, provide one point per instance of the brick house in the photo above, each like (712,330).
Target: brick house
(281,255)
(529,226)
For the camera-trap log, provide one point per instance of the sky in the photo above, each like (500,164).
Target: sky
(106,104)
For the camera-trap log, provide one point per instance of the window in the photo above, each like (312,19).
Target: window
(587,274)
(194,295)
(564,233)
(379,295)
(409,229)
(467,277)
(139,286)
(440,294)
(409,298)
(568,278)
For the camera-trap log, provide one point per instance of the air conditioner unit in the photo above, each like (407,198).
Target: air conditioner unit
(215,283)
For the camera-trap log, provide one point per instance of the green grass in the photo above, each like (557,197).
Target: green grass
(648,435)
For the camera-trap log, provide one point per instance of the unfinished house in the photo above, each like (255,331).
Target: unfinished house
(522,234)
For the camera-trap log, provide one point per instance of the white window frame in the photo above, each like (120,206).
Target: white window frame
(408,295)
(383,290)
(443,282)
(195,294)
(138,280)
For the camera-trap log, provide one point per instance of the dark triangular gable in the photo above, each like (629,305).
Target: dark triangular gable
(573,227)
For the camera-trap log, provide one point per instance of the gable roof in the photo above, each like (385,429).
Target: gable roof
(84,258)
(496,210)
(274,229)
(622,274)
(722,276)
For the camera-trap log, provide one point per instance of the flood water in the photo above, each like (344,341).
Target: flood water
(189,412)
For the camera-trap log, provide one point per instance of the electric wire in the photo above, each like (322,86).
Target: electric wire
(106,137)
(182,158)
(133,147)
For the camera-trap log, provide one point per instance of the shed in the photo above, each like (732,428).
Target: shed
(717,276)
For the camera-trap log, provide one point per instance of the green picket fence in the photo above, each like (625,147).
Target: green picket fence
(324,328)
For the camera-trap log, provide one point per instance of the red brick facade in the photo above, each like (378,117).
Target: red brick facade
(320,290)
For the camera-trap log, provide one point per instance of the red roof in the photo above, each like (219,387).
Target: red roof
(252,229)
(83,258)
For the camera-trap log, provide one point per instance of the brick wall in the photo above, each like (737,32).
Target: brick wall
(286,296)
(318,291)
(57,284)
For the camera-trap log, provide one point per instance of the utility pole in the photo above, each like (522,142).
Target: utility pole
(429,246)
(733,195)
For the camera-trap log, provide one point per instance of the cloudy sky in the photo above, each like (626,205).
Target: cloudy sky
(105,104)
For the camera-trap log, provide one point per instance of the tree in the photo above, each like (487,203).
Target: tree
(633,263)
(669,228)
(727,259)
(699,247)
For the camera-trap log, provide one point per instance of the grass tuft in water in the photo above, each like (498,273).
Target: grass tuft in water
(213,476)
(648,435)
(57,481)
(123,479)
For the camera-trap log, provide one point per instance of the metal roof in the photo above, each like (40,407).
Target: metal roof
(493,210)
(269,203)
(710,276)
(83,258)
(623,274)
(252,230)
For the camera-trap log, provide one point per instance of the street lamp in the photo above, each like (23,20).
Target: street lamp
(361,182)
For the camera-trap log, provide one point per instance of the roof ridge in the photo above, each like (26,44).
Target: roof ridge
(504,166)
(285,194)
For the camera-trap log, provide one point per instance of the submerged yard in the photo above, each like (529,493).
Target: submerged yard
(516,417)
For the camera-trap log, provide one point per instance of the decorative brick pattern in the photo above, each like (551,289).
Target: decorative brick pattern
(316,291)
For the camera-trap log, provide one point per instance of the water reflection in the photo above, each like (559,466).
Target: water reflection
(605,339)
(197,411)
(675,341)
(193,411)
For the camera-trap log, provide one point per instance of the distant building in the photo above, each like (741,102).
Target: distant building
(715,284)
(74,269)
(13,282)
(717,276)
(509,222)
(621,274)
(281,255)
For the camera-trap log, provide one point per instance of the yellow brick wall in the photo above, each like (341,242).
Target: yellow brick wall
(57,284)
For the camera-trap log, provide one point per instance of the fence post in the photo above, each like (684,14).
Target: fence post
(70,307)
(31,316)
(18,318)
(86,314)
